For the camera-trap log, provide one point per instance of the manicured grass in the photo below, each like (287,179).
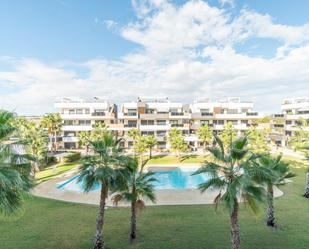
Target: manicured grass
(171,159)
(54,170)
(53,224)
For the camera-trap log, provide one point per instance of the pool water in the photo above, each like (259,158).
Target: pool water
(176,178)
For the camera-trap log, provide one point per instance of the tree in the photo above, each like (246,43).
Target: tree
(151,141)
(140,147)
(15,180)
(35,140)
(228,134)
(84,139)
(98,131)
(205,135)
(177,142)
(276,171)
(104,169)
(139,186)
(306,194)
(231,174)
(53,123)
(134,133)
(257,140)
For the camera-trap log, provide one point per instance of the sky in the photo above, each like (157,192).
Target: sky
(121,49)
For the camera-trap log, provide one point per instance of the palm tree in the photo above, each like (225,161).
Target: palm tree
(140,147)
(205,135)
(15,180)
(151,141)
(277,171)
(306,194)
(104,169)
(35,140)
(230,173)
(228,134)
(177,142)
(84,138)
(134,134)
(53,123)
(139,185)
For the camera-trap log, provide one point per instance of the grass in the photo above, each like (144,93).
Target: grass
(170,159)
(54,170)
(54,224)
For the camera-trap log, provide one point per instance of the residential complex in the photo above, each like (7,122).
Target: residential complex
(296,112)
(82,115)
(153,116)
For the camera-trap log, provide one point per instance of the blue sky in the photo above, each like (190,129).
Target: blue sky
(110,46)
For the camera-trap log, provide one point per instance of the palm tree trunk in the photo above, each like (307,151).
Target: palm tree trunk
(235,236)
(270,206)
(133,221)
(99,240)
(306,194)
(150,152)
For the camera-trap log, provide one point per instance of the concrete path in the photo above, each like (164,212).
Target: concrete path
(164,197)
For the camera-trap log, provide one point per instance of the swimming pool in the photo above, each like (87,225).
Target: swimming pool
(167,178)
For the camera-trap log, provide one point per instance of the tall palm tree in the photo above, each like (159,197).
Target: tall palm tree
(134,134)
(104,169)
(276,171)
(35,140)
(230,173)
(84,138)
(15,180)
(53,123)
(151,141)
(205,135)
(139,185)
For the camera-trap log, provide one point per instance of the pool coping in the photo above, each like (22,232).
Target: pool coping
(49,190)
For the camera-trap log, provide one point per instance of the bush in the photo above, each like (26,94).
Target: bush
(72,157)
(50,159)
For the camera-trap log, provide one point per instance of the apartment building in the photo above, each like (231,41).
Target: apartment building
(154,116)
(82,115)
(218,113)
(295,111)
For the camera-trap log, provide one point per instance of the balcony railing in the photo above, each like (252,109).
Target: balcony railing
(129,114)
(130,125)
(98,114)
(252,114)
(176,125)
(177,113)
(207,114)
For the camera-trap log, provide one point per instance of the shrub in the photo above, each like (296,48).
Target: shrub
(72,157)
(50,159)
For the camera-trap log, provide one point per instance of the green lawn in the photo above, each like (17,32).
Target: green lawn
(53,224)
(170,159)
(54,170)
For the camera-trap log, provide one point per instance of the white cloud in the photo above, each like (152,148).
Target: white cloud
(186,51)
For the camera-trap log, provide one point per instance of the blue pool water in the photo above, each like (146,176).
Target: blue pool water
(177,178)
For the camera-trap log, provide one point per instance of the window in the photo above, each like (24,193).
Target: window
(204,122)
(79,111)
(87,111)
(161,133)
(84,122)
(147,122)
(71,111)
(161,122)
(68,122)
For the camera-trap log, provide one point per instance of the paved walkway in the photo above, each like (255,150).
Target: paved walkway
(164,197)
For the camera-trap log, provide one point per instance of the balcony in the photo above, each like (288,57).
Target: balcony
(130,125)
(130,114)
(176,125)
(98,114)
(77,127)
(252,113)
(69,139)
(207,114)
(177,113)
